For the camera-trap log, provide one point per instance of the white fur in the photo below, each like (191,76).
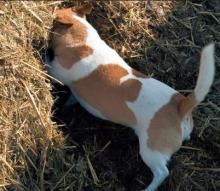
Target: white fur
(153,95)
(155,160)
(206,72)
(186,128)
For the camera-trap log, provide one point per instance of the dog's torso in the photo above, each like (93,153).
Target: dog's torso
(106,75)
(110,89)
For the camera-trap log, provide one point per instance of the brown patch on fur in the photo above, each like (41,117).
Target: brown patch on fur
(70,55)
(103,91)
(187,104)
(64,16)
(138,74)
(165,128)
(69,41)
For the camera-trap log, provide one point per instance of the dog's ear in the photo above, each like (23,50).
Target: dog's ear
(83,10)
(65,16)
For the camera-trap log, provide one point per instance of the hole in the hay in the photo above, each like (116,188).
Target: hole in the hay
(2,61)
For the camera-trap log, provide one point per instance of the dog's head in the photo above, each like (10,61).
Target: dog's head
(68,38)
(65,16)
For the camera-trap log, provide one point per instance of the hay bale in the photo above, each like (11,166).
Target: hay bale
(31,147)
(162,38)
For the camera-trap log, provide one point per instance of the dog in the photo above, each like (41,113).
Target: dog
(107,87)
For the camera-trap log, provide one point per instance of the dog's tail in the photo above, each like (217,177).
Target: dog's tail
(204,81)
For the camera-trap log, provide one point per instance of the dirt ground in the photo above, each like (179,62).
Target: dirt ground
(83,153)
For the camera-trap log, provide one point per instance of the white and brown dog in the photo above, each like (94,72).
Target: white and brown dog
(107,87)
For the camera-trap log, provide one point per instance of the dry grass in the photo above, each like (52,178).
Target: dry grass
(161,38)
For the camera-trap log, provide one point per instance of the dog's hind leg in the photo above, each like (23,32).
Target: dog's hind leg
(156,161)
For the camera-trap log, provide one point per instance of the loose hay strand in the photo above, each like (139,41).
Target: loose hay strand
(34,104)
(44,73)
(32,12)
(92,170)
